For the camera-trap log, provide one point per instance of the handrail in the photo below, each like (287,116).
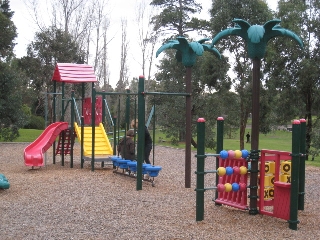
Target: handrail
(110,117)
(150,116)
(77,111)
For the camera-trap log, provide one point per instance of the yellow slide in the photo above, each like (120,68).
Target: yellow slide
(102,145)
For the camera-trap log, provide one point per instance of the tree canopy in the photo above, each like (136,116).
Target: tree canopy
(8,30)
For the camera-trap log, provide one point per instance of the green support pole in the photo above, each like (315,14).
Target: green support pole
(154,132)
(294,175)
(62,102)
(114,135)
(188,129)
(141,131)
(302,168)
(54,117)
(200,169)
(82,123)
(82,141)
(93,123)
(135,117)
(72,128)
(128,110)
(82,97)
(62,119)
(220,123)
(118,118)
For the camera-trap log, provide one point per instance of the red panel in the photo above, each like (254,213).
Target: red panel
(87,111)
(281,199)
(281,207)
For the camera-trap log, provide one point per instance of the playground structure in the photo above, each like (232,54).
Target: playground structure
(34,153)
(281,176)
(95,145)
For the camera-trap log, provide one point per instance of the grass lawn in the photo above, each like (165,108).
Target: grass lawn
(277,140)
(28,135)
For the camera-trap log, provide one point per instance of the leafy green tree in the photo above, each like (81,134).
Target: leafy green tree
(222,14)
(170,110)
(12,116)
(314,150)
(49,47)
(176,17)
(8,31)
(294,75)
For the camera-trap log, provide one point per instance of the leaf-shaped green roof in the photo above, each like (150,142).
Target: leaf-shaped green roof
(188,52)
(256,33)
(257,36)
(197,48)
(169,44)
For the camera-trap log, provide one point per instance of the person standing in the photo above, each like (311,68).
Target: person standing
(126,146)
(147,141)
(248,137)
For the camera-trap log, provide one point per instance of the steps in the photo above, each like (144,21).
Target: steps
(66,134)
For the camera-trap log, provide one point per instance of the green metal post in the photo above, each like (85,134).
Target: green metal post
(72,128)
(135,117)
(62,102)
(82,97)
(302,168)
(188,129)
(82,124)
(220,123)
(54,117)
(128,110)
(114,135)
(82,141)
(200,169)
(93,123)
(141,131)
(62,119)
(294,175)
(154,132)
(119,114)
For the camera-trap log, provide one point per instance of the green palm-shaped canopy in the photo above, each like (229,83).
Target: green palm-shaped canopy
(187,52)
(257,36)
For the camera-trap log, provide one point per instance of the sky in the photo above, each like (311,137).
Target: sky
(26,28)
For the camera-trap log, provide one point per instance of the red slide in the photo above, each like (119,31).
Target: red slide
(33,153)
